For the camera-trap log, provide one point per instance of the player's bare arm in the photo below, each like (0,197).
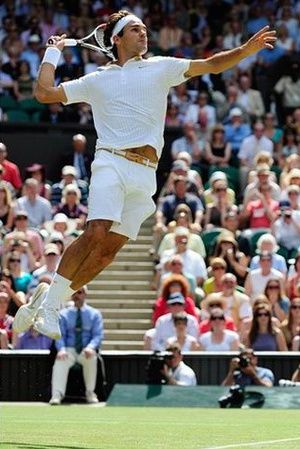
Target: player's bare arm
(265,38)
(45,90)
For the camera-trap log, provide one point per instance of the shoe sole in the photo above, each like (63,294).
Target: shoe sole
(38,326)
(25,315)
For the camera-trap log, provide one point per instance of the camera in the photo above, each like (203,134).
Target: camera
(244,361)
(155,365)
(234,399)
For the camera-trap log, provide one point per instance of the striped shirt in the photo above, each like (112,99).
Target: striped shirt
(129,103)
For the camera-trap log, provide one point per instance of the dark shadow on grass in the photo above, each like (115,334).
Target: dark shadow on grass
(10,444)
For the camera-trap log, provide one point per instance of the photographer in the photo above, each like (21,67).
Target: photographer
(287,228)
(243,371)
(175,371)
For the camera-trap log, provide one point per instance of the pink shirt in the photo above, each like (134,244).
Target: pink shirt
(258,217)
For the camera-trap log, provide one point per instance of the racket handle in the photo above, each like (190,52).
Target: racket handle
(70,42)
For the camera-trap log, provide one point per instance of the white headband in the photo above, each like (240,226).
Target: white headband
(121,24)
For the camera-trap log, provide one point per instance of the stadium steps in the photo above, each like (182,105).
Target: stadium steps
(122,293)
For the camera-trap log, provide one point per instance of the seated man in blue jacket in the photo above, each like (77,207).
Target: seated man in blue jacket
(82,333)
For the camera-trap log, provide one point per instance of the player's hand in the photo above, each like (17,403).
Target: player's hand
(62,355)
(88,352)
(57,41)
(264,38)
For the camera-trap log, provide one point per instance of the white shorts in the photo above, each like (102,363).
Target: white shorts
(121,191)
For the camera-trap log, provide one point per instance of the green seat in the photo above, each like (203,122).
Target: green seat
(35,117)
(277,170)
(17,116)
(8,103)
(253,235)
(31,105)
(209,238)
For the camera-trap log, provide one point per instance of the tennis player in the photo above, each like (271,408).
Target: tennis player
(128,97)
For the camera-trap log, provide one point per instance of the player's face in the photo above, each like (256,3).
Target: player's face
(134,38)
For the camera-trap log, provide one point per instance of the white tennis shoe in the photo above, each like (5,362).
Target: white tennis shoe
(25,315)
(47,322)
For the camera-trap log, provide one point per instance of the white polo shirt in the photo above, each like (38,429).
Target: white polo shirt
(129,103)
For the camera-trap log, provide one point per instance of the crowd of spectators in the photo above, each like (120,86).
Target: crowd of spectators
(226,240)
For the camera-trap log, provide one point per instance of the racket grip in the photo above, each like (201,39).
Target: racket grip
(70,42)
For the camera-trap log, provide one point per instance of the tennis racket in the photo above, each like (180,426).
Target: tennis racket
(98,35)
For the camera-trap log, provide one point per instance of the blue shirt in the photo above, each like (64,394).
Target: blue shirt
(29,340)
(278,262)
(92,327)
(236,134)
(170,202)
(262,373)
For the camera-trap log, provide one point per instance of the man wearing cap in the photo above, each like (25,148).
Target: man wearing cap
(189,143)
(236,130)
(79,157)
(129,119)
(52,256)
(257,279)
(179,168)
(175,371)
(69,176)
(37,207)
(164,326)
(11,171)
(31,54)
(209,194)
(263,173)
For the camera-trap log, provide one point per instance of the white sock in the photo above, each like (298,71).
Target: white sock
(59,292)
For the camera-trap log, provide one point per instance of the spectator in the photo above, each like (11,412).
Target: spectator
(172,116)
(70,204)
(193,175)
(250,99)
(217,268)
(289,146)
(231,223)
(170,35)
(55,113)
(287,228)
(21,278)
(6,209)
(277,298)
(189,142)
(25,84)
(69,176)
(37,207)
(62,224)
(16,299)
(236,261)
(263,335)
(219,207)
(267,243)
(219,338)
(68,70)
(31,236)
(251,374)
(262,179)
(11,170)
(292,162)
(79,157)
(193,263)
(217,150)
(179,168)
(31,54)
(293,280)
(272,132)
(38,172)
(165,328)
(257,279)
(233,34)
(293,192)
(21,245)
(187,342)
(202,115)
(52,256)
(32,340)
(82,334)
(210,193)
(290,327)
(236,131)
(176,372)
(213,301)
(250,147)
(5,322)
(262,212)
(166,210)
(288,86)
(174,283)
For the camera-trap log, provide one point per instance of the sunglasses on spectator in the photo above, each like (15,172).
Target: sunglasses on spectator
(218,267)
(295,306)
(214,318)
(274,286)
(14,260)
(215,304)
(176,263)
(263,314)
(221,189)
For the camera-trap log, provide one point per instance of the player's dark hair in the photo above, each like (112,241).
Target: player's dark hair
(113,19)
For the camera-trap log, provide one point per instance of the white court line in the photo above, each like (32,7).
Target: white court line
(256,443)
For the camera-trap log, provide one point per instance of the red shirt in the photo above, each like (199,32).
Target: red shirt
(12,174)
(161,308)
(258,217)
(205,325)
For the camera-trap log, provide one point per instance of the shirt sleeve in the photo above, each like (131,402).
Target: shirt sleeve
(76,91)
(174,70)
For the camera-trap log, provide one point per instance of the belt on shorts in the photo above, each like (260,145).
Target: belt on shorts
(132,156)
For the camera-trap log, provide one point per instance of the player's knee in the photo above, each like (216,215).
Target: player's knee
(97,231)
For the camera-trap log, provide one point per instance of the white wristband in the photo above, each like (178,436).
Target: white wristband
(52,56)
